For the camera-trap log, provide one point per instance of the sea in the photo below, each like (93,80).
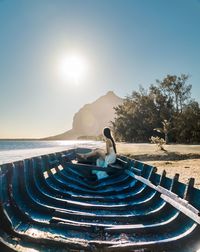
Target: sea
(11,151)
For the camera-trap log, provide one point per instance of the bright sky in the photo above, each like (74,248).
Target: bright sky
(111,44)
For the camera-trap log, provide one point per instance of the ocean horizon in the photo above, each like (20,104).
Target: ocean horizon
(14,150)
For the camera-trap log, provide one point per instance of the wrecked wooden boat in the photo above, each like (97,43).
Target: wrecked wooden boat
(54,203)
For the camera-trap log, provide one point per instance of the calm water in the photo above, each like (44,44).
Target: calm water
(15,150)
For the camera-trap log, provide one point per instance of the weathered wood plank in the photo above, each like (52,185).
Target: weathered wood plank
(182,206)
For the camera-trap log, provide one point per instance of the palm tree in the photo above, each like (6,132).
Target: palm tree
(165,130)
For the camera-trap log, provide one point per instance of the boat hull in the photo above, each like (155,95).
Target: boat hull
(55,203)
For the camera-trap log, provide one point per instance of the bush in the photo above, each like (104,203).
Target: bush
(158,141)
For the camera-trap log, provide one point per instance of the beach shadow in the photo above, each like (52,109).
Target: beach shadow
(165,156)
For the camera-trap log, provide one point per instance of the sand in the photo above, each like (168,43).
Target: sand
(182,159)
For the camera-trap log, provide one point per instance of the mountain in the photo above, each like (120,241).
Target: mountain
(91,118)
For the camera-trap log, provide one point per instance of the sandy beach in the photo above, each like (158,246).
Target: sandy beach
(178,158)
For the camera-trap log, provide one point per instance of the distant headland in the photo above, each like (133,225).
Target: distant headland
(88,122)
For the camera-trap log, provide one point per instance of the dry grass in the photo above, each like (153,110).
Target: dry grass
(182,159)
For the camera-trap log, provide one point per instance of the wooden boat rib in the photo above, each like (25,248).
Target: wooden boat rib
(53,203)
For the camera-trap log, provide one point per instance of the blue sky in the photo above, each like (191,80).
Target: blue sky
(126,43)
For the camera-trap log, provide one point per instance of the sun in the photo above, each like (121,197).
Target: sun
(73,68)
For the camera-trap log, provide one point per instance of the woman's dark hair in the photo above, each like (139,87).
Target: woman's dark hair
(107,133)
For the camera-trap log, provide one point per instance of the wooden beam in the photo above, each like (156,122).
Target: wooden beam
(180,204)
(172,198)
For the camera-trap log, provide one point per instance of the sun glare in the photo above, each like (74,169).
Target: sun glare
(73,68)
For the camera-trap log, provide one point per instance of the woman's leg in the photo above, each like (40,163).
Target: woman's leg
(96,152)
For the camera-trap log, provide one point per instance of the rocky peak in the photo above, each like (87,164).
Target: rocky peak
(90,119)
(93,117)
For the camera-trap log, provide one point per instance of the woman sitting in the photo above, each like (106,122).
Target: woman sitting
(103,158)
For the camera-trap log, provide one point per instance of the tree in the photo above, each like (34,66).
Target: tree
(163,103)
(165,107)
(187,124)
(175,87)
(136,117)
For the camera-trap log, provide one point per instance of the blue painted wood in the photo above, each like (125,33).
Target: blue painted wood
(46,208)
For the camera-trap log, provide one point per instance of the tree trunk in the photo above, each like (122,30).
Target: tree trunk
(166,138)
